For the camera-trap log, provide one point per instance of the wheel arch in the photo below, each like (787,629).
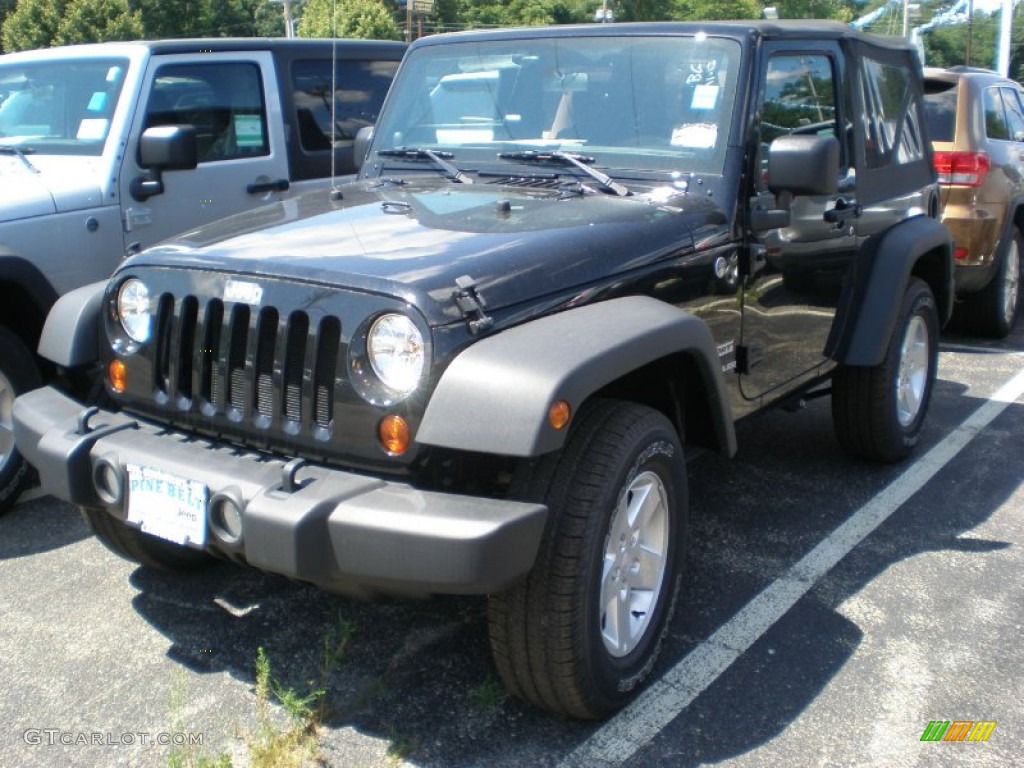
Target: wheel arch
(26,297)
(916,247)
(494,397)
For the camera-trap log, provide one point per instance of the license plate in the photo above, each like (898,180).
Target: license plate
(168,506)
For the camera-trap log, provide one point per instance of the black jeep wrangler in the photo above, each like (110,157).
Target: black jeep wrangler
(572,253)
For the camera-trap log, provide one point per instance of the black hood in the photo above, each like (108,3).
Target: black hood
(413,240)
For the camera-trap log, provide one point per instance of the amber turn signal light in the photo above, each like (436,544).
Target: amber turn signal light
(559,414)
(117,372)
(393,433)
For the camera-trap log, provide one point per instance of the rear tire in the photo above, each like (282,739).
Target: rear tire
(993,310)
(18,374)
(879,411)
(132,544)
(581,634)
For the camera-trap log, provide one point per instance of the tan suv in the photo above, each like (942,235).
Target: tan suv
(976,121)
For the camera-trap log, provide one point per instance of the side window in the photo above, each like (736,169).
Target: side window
(996,126)
(359,90)
(892,117)
(224,101)
(800,98)
(1014,113)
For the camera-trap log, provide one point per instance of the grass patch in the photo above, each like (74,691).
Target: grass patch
(489,694)
(297,744)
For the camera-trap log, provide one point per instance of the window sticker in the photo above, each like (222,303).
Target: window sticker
(97,102)
(249,131)
(92,128)
(704,97)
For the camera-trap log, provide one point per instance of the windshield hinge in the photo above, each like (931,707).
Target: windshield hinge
(472,304)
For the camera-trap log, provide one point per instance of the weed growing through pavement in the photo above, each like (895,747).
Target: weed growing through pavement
(489,694)
(275,747)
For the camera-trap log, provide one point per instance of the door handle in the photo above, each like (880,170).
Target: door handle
(259,187)
(842,211)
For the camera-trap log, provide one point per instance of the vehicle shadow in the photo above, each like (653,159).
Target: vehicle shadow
(39,525)
(418,674)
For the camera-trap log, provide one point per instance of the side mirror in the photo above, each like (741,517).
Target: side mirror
(362,145)
(169,148)
(804,165)
(797,165)
(164,148)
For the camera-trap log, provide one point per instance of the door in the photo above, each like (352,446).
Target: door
(232,101)
(790,299)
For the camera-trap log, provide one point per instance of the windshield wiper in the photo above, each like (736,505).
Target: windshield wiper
(435,156)
(569,158)
(20,153)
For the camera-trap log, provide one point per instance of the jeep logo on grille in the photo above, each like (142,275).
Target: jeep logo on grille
(239,290)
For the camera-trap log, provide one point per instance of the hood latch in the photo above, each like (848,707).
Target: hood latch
(472,304)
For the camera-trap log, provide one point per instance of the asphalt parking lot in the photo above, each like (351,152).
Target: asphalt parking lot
(833,610)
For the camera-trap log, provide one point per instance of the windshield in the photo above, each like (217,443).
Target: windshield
(630,103)
(59,107)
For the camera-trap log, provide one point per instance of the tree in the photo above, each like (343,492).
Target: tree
(94,21)
(367,19)
(33,24)
(717,10)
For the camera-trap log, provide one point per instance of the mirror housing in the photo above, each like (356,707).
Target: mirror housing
(362,145)
(797,165)
(169,148)
(804,165)
(164,148)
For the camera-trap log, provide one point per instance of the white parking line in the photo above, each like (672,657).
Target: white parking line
(629,731)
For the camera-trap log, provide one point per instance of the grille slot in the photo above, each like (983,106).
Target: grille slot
(265,362)
(210,387)
(294,363)
(328,340)
(186,346)
(239,336)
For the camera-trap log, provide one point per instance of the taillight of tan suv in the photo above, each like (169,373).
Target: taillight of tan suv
(976,121)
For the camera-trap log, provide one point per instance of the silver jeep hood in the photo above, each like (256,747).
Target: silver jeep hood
(39,185)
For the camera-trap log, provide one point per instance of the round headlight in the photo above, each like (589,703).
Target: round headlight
(395,348)
(133,308)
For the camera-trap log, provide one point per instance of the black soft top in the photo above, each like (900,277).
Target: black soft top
(790,29)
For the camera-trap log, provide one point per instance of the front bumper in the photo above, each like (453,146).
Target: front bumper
(340,530)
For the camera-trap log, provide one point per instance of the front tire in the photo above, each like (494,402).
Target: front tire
(581,634)
(993,310)
(18,374)
(879,411)
(132,544)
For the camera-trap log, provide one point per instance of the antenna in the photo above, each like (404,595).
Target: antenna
(335,192)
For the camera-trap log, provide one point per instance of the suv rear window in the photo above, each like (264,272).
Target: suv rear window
(940,109)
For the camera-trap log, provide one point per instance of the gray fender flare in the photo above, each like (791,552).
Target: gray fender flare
(71,333)
(494,397)
(917,246)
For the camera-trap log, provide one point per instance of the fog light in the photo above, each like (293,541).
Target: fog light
(117,372)
(559,414)
(226,517)
(108,482)
(393,433)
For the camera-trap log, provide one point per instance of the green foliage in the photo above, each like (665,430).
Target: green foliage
(836,10)
(366,19)
(93,21)
(489,694)
(33,24)
(715,10)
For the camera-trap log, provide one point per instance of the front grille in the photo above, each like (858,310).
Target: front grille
(252,366)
